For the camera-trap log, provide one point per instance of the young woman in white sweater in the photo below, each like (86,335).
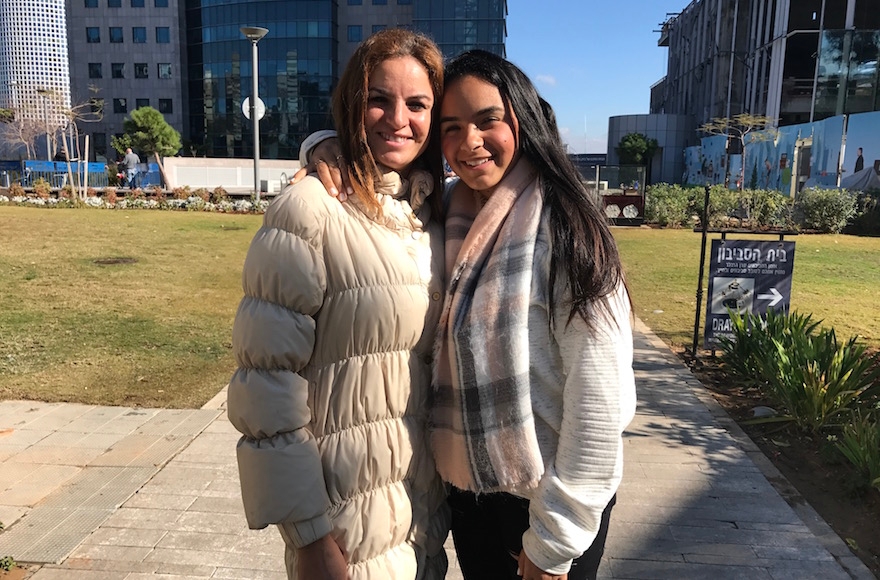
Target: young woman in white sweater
(533,374)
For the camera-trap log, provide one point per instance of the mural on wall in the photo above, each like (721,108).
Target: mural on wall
(827,140)
(770,161)
(862,132)
(693,166)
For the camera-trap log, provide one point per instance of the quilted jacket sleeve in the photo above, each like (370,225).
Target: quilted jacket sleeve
(284,280)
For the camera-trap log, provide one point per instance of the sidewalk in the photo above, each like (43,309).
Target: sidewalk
(101,493)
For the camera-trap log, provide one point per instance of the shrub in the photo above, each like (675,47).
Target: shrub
(202,193)
(91,192)
(110,195)
(765,208)
(867,219)
(182,192)
(16,190)
(158,193)
(66,192)
(219,194)
(860,444)
(136,193)
(824,210)
(812,375)
(668,205)
(7,563)
(42,188)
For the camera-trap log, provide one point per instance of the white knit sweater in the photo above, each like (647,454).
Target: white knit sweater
(583,397)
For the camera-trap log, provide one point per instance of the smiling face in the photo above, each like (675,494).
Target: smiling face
(478,133)
(398,114)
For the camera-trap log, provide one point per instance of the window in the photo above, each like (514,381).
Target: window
(355,33)
(100,141)
(115,34)
(114,3)
(355,2)
(141,70)
(118,70)
(97,105)
(139,34)
(380,2)
(91,3)
(404,1)
(163,35)
(120,106)
(93,34)
(161,3)
(139,103)
(165,106)
(137,3)
(164,70)
(95,70)
(378,27)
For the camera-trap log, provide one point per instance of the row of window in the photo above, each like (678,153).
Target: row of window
(134,3)
(138,34)
(356,31)
(117,70)
(377,2)
(120,106)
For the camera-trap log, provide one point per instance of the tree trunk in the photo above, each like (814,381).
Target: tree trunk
(168,185)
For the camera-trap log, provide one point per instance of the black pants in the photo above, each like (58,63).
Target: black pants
(487,531)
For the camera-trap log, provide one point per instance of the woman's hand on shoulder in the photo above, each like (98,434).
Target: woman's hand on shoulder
(322,559)
(528,571)
(327,161)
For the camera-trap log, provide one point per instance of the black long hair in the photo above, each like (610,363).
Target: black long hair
(582,240)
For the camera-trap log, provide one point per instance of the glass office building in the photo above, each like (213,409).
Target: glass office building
(298,65)
(460,25)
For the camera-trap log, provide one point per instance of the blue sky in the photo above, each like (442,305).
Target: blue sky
(590,59)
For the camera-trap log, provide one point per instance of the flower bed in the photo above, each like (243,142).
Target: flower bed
(191,203)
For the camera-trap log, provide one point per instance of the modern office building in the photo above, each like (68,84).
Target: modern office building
(189,60)
(300,59)
(794,61)
(34,73)
(124,54)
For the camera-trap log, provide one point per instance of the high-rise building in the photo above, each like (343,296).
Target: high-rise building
(124,54)
(189,60)
(34,73)
(794,61)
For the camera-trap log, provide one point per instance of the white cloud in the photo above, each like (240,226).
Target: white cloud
(546,80)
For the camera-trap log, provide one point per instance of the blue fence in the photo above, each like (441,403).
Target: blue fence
(53,172)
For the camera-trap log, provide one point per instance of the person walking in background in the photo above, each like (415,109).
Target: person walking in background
(533,380)
(131,161)
(333,338)
(860,162)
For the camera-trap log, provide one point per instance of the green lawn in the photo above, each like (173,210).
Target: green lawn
(153,333)
(836,278)
(156,332)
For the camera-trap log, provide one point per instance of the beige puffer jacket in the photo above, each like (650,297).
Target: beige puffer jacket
(333,340)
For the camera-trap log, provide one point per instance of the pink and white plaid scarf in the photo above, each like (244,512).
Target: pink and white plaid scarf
(483,430)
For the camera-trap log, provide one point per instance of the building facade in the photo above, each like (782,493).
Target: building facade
(795,61)
(124,55)
(34,73)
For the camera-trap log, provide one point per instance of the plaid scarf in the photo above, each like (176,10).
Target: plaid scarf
(483,431)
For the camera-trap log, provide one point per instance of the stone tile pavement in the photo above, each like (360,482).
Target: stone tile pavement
(95,493)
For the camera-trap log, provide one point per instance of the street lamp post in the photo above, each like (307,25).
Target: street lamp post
(254,34)
(44,94)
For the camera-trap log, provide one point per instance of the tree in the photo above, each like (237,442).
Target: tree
(637,149)
(147,131)
(760,127)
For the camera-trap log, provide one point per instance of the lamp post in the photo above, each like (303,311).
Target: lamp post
(44,94)
(254,34)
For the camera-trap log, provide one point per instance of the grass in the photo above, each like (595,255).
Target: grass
(155,332)
(836,278)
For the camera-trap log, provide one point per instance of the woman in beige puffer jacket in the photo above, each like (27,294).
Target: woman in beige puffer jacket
(333,339)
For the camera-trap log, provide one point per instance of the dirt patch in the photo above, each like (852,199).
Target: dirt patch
(811,464)
(114,260)
(19,572)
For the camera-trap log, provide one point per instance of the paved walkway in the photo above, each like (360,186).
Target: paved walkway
(95,493)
